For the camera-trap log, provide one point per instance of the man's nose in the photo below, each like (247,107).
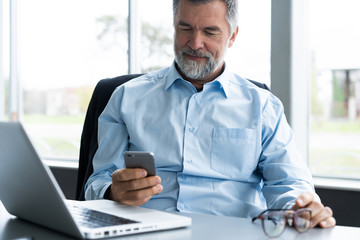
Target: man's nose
(196,41)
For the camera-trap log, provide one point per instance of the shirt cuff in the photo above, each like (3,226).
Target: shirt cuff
(96,191)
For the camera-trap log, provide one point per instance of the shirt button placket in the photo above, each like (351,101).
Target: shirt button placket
(189,133)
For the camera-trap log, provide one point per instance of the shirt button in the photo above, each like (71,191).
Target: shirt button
(189,161)
(191,129)
(183,177)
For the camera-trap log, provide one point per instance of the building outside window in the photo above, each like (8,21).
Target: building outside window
(335,88)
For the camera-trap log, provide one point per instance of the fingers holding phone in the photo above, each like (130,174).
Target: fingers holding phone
(129,186)
(137,183)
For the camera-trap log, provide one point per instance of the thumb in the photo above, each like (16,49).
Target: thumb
(304,199)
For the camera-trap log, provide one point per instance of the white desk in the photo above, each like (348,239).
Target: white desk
(204,227)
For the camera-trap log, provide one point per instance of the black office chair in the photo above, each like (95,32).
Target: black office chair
(88,143)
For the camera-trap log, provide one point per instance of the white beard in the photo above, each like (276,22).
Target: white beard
(195,69)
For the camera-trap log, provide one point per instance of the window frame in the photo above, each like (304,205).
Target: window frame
(2,73)
(15,96)
(134,37)
(290,68)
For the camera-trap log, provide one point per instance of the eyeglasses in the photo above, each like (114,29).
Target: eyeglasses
(275,220)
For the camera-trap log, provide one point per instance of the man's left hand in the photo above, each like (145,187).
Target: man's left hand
(321,215)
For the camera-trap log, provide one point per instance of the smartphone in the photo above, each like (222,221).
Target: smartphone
(140,159)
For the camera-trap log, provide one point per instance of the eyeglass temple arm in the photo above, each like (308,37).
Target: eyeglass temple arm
(258,216)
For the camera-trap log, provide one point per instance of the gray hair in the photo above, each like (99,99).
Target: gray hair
(231,14)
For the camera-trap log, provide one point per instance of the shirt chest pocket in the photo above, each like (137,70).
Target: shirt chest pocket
(233,152)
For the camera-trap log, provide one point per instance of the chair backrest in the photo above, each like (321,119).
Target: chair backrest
(89,143)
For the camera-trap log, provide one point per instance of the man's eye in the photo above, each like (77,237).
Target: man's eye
(210,33)
(185,29)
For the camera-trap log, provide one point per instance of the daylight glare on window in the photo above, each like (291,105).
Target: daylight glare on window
(335,88)
(156,44)
(63,49)
(249,57)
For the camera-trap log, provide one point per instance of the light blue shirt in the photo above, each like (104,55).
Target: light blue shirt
(227,150)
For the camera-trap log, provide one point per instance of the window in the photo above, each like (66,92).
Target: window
(335,88)
(156,44)
(61,50)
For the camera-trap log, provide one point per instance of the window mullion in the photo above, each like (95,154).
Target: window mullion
(290,71)
(15,112)
(2,79)
(134,32)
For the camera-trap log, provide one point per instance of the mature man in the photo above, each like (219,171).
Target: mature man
(222,145)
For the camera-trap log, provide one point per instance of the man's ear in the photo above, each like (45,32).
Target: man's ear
(233,36)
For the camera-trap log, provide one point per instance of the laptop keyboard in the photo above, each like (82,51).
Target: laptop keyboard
(94,219)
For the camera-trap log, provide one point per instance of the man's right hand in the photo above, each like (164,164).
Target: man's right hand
(131,186)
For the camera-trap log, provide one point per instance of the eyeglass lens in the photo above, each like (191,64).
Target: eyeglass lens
(274,222)
(302,220)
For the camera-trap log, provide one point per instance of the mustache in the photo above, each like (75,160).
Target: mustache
(195,53)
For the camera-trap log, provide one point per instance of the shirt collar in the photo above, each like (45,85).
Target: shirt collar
(171,76)
(222,81)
